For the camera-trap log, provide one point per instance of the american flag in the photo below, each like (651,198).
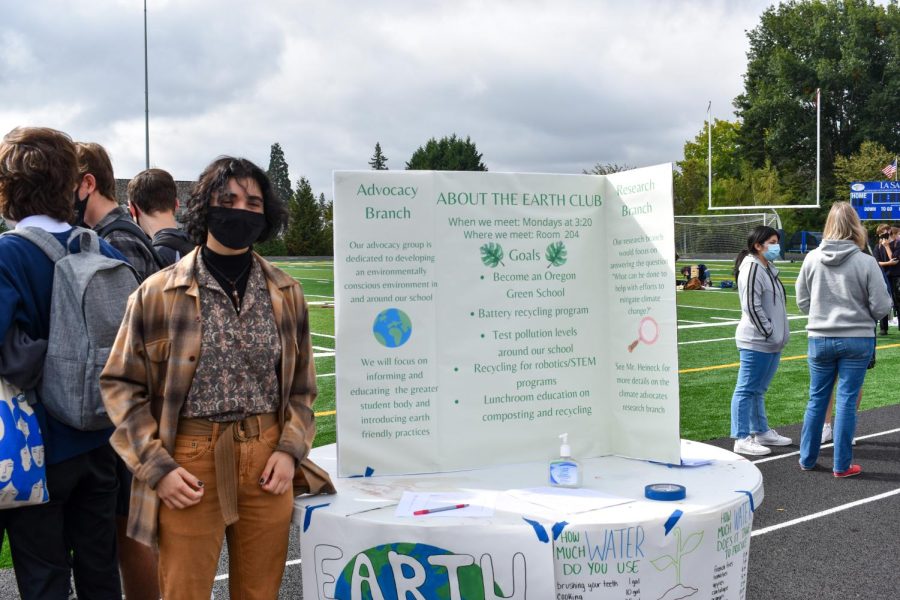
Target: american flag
(890,170)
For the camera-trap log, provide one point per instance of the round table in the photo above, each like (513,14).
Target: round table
(524,540)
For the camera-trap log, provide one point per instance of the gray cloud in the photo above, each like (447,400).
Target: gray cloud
(539,86)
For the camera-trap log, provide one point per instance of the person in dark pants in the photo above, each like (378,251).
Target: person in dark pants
(75,532)
(887,253)
(99,209)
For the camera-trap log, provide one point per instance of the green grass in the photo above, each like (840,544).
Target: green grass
(705,395)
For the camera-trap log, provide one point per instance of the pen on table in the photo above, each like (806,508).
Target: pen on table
(428,511)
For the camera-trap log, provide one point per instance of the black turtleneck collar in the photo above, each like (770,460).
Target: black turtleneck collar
(232,271)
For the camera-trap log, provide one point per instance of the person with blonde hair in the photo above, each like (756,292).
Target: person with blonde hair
(842,290)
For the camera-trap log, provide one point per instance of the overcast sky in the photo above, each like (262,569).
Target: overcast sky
(542,86)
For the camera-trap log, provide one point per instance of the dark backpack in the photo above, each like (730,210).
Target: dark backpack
(176,244)
(90,292)
(132,228)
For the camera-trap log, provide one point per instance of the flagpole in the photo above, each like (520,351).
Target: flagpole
(709,150)
(818,140)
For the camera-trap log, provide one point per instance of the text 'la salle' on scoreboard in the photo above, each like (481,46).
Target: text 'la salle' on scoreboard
(876,200)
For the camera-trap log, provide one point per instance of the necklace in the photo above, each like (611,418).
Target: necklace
(235,297)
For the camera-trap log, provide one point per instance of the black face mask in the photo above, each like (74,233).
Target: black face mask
(235,228)
(80,209)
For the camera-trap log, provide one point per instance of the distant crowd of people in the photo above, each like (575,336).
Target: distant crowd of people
(209,386)
(846,293)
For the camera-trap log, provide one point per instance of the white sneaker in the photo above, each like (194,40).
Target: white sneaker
(771,438)
(827,435)
(750,446)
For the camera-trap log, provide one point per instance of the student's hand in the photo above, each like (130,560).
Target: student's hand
(179,489)
(278,476)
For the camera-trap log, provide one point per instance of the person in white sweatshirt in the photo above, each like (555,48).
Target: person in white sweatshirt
(842,290)
(761,335)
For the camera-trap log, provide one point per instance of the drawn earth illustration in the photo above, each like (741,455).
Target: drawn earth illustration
(436,585)
(392,328)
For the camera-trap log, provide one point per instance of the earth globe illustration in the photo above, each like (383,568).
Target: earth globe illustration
(392,328)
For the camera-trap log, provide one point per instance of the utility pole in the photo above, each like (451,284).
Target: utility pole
(146,96)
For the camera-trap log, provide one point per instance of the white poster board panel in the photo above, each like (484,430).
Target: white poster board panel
(477,319)
(347,560)
(642,319)
(687,556)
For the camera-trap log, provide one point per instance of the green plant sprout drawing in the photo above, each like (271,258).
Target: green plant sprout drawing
(682,548)
(556,254)
(492,255)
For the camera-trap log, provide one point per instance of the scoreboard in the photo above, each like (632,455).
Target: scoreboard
(876,200)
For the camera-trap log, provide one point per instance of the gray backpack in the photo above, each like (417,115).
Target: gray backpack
(90,292)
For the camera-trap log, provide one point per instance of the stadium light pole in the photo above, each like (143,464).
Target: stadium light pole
(709,150)
(146,96)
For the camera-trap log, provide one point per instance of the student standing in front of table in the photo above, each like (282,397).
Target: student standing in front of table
(211,384)
(842,290)
(761,335)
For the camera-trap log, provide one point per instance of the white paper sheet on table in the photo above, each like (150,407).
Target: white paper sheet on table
(568,500)
(481,504)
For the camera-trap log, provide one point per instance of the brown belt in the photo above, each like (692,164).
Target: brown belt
(226,469)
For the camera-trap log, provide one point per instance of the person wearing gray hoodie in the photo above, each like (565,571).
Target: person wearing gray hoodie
(843,292)
(761,335)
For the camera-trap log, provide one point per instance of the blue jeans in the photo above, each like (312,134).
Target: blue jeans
(844,359)
(748,409)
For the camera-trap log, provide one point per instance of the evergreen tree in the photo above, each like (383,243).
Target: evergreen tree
(281,184)
(378,160)
(448,154)
(278,173)
(326,216)
(303,237)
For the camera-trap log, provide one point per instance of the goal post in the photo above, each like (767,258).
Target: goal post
(720,236)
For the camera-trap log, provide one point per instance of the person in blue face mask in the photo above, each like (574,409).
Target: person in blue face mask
(761,335)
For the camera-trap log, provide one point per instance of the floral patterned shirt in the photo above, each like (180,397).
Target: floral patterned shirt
(240,353)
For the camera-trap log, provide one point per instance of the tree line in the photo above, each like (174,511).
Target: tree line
(310,230)
(849,50)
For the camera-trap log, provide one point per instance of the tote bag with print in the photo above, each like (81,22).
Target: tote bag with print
(23,475)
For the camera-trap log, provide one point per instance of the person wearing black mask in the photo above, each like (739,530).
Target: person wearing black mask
(887,253)
(210,384)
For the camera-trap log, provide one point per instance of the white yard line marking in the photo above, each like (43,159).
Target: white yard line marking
(289,563)
(708,308)
(686,321)
(318,296)
(723,318)
(324,335)
(324,375)
(323,355)
(825,513)
(729,339)
(324,303)
(732,322)
(797,453)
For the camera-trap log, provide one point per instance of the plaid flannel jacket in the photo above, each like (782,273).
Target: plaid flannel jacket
(152,364)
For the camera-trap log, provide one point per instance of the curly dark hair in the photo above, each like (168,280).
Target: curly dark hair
(213,180)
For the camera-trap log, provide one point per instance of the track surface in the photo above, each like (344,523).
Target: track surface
(799,550)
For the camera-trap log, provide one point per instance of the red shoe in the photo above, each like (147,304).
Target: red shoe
(853,470)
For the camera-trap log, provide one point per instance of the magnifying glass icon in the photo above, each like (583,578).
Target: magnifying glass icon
(648,332)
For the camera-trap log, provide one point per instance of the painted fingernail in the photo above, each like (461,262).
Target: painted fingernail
(262,481)
(199,484)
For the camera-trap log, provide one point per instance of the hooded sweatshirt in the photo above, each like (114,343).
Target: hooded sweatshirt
(842,290)
(764,324)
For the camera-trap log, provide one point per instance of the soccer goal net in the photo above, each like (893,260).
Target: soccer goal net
(717,236)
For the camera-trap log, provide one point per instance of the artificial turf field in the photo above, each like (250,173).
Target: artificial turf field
(707,355)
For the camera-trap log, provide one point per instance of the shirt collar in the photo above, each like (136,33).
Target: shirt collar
(48,224)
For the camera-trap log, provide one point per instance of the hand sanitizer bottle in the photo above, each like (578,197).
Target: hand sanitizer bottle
(565,471)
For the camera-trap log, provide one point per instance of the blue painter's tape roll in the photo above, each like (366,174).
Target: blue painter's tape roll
(665,491)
